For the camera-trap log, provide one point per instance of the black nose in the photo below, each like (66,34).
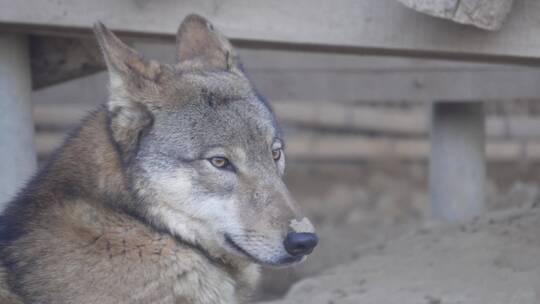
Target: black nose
(300,243)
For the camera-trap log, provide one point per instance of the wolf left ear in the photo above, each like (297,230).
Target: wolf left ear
(125,65)
(129,73)
(198,41)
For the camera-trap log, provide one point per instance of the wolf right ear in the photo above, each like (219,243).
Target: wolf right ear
(198,41)
(129,74)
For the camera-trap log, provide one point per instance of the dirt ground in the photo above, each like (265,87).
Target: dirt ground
(378,245)
(492,260)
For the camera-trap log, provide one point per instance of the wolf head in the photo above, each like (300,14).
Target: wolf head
(201,150)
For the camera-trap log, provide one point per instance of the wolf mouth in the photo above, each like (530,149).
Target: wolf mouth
(281,262)
(238,248)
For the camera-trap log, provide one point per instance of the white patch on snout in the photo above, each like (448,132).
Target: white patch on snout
(302,226)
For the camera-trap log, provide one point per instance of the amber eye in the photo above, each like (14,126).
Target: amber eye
(219,162)
(276,154)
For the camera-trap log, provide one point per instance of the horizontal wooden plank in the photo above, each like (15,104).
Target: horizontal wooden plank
(350,148)
(47,142)
(56,59)
(353,118)
(369,26)
(402,85)
(409,123)
(59,116)
(298,76)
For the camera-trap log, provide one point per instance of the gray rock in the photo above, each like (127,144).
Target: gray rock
(485,14)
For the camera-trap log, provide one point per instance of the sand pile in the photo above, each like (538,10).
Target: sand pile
(494,259)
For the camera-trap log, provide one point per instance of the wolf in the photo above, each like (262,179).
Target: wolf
(171,192)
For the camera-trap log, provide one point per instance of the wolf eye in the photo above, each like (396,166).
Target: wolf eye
(276,154)
(221,163)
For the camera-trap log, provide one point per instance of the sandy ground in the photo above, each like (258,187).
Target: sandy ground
(375,246)
(495,259)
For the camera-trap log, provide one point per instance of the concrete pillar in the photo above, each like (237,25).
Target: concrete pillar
(457,163)
(17,153)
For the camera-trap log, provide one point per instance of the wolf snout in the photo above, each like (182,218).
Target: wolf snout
(300,243)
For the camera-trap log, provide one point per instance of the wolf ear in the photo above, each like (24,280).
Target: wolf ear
(200,42)
(128,72)
(122,61)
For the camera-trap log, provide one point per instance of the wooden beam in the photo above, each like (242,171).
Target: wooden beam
(57,59)
(330,116)
(397,122)
(408,84)
(293,75)
(369,26)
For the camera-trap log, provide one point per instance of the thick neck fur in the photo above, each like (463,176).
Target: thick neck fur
(76,201)
(90,162)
